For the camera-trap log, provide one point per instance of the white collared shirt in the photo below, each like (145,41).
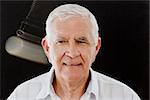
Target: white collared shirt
(100,87)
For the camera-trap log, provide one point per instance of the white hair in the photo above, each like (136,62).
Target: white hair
(70,10)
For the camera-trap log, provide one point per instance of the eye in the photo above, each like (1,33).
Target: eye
(81,42)
(61,41)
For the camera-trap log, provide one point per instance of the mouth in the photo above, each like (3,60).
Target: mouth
(72,64)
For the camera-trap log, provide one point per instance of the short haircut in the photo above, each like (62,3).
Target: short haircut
(69,10)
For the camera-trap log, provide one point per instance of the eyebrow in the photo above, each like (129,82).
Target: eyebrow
(82,38)
(60,37)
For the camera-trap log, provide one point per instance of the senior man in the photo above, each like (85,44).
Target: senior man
(71,45)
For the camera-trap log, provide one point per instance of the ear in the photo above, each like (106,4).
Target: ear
(45,46)
(98,46)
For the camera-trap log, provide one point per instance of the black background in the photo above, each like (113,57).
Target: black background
(125,44)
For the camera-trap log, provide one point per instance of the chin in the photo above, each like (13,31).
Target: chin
(73,75)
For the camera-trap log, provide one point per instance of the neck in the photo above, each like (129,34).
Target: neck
(70,90)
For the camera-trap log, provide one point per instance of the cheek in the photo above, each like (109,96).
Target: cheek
(88,54)
(56,55)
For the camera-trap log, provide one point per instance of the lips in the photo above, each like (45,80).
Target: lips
(72,64)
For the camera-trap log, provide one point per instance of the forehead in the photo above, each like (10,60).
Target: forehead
(73,25)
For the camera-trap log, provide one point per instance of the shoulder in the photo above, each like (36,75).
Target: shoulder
(34,82)
(28,88)
(114,88)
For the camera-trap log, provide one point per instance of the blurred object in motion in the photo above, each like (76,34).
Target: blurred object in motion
(27,43)
(25,49)
(29,37)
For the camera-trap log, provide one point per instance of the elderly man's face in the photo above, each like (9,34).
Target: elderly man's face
(72,49)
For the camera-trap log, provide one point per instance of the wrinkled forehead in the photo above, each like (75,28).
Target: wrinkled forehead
(71,24)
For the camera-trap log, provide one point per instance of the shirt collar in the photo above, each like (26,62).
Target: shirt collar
(47,88)
(93,84)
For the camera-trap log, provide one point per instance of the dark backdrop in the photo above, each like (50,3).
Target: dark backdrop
(125,44)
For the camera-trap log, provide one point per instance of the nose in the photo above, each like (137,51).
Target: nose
(72,51)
